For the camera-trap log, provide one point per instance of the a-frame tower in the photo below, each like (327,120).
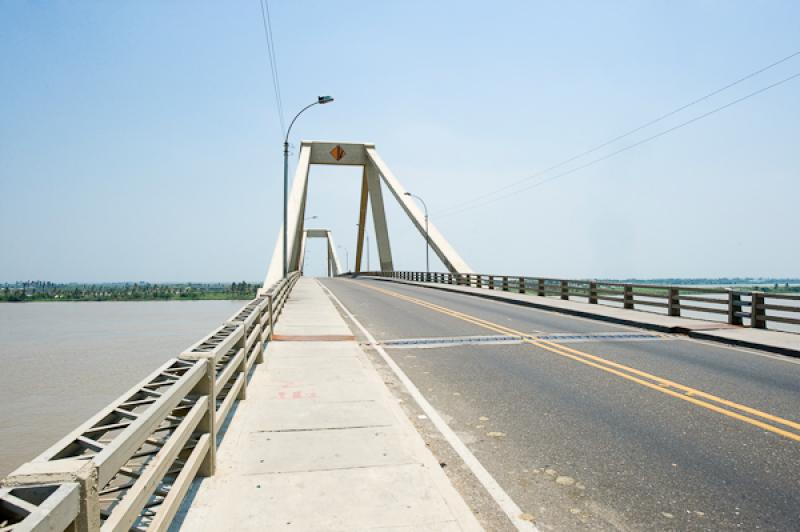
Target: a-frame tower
(375,171)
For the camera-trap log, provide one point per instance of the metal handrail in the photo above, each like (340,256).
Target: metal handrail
(737,305)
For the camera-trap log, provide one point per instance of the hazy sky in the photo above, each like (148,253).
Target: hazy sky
(139,140)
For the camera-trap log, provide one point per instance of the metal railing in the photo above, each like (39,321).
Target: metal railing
(736,307)
(130,466)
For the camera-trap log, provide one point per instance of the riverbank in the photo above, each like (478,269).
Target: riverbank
(45,291)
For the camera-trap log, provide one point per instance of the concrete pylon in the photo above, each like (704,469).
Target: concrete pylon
(375,172)
(334,266)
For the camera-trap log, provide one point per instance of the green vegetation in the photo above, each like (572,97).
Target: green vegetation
(743,284)
(776,288)
(47,291)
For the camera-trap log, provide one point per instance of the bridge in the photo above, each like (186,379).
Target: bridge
(452,400)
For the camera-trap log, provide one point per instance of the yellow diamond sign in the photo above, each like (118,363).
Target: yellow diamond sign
(338,153)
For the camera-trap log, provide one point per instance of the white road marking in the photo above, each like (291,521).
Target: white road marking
(503,500)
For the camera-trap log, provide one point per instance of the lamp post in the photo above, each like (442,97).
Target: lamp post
(321,100)
(346,258)
(366,237)
(427,240)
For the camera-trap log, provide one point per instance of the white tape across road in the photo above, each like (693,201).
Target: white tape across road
(503,500)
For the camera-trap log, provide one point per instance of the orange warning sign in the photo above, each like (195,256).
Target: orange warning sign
(338,153)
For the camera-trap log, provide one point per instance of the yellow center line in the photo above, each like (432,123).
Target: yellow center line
(660,384)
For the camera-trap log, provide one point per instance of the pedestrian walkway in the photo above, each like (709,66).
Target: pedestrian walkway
(321,444)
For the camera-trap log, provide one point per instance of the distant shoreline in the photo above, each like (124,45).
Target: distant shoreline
(45,291)
(48,292)
(15,301)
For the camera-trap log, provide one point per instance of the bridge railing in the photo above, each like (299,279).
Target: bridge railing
(130,466)
(42,507)
(736,307)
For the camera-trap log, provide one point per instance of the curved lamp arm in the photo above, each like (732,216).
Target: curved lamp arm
(321,100)
(421,200)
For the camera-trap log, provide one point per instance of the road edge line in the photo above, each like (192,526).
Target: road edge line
(498,494)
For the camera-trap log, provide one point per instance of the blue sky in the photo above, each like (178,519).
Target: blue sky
(140,140)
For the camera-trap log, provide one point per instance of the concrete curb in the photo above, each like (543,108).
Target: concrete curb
(632,322)
(700,335)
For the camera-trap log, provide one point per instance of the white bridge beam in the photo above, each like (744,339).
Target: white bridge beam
(375,171)
(334,266)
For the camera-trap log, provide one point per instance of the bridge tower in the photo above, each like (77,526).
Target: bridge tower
(374,172)
(334,266)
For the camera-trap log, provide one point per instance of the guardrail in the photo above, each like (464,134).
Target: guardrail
(736,307)
(130,465)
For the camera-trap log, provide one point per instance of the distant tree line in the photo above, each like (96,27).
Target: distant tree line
(760,284)
(138,291)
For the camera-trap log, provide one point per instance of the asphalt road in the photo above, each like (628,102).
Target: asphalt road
(637,432)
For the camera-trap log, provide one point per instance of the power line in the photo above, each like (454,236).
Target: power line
(273,62)
(458,207)
(629,147)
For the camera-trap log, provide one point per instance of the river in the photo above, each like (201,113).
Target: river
(62,362)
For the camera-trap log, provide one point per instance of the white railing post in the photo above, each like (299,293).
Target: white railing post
(734,308)
(207,424)
(211,350)
(627,296)
(265,320)
(271,317)
(673,301)
(242,344)
(758,315)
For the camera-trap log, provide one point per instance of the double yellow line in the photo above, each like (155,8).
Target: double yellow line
(751,416)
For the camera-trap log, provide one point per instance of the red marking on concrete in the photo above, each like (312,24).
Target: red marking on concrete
(313,338)
(297,395)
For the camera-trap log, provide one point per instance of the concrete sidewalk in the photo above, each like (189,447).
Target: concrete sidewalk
(321,444)
(775,341)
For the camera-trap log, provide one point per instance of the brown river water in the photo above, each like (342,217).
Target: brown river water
(62,362)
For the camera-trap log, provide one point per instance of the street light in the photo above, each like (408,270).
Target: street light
(321,100)
(366,237)
(427,240)
(346,258)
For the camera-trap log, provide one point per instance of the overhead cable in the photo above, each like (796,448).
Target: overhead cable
(477,200)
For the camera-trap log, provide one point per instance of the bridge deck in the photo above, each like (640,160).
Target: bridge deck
(592,425)
(321,444)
